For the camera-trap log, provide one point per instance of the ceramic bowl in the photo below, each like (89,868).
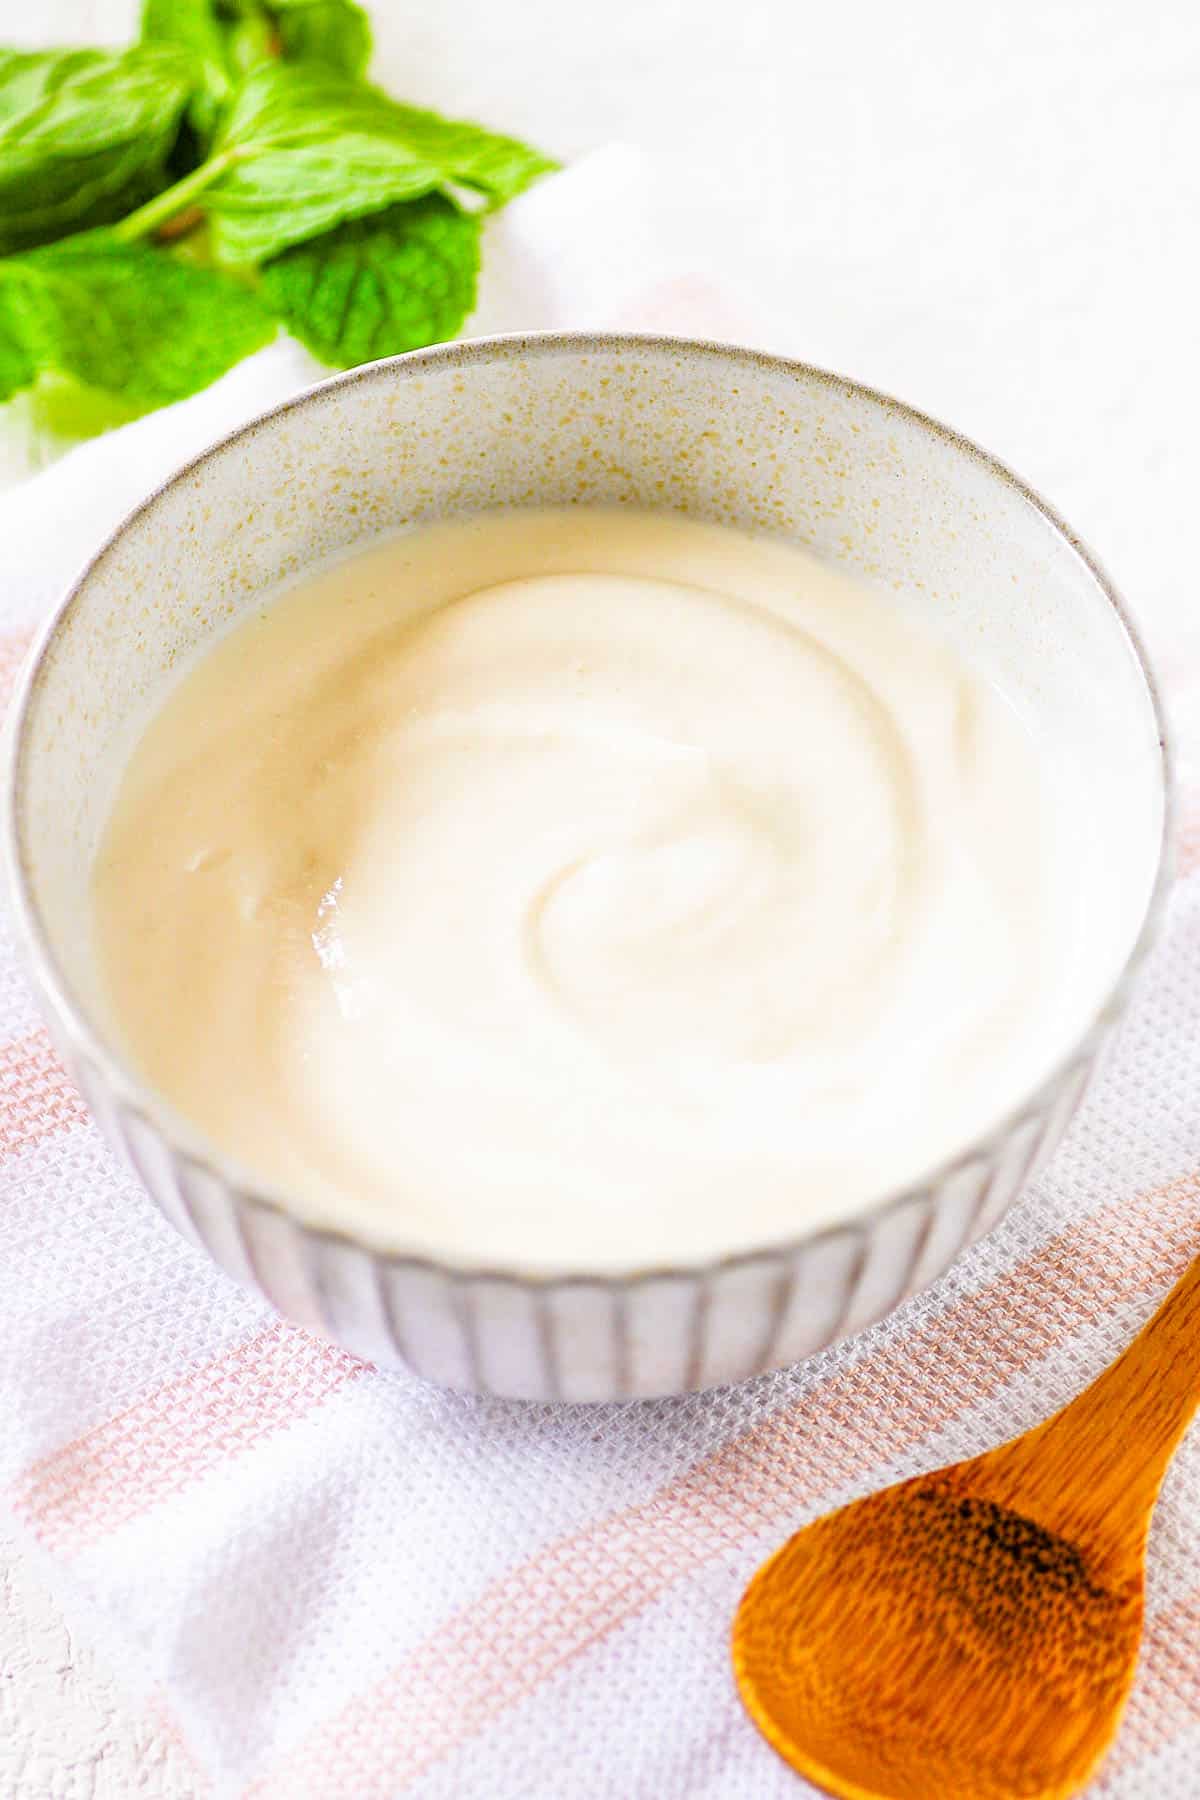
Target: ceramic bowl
(717,432)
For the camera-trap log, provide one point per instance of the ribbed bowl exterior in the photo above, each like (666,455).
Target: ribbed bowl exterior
(725,434)
(579,1339)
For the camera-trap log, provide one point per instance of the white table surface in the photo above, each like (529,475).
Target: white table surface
(990,211)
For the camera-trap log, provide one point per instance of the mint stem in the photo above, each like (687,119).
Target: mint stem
(163,207)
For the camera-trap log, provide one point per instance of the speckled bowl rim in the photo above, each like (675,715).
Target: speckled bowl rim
(188,1142)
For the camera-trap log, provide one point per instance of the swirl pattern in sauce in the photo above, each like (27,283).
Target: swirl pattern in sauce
(572,890)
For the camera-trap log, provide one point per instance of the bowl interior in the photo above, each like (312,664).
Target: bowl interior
(724,435)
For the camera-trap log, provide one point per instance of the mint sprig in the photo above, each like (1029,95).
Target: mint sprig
(162,207)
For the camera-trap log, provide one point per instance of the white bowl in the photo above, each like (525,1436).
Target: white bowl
(721,433)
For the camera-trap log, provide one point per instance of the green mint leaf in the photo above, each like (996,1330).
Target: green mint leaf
(252,40)
(192,24)
(303,149)
(17,366)
(335,33)
(84,136)
(57,413)
(125,321)
(469,155)
(194,28)
(374,287)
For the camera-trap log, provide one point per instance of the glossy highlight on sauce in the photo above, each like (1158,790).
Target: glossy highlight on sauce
(586,890)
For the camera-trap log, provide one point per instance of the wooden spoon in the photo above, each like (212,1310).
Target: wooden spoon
(973,1633)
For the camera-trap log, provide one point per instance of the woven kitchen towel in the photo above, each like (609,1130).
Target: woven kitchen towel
(339,1583)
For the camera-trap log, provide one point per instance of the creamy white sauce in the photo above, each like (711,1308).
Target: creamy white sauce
(586,890)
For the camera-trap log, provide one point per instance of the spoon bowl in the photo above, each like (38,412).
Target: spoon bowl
(974,1632)
(839,1667)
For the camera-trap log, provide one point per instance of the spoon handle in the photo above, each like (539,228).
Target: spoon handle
(1094,1469)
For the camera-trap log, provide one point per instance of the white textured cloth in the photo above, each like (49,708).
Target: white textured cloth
(337,1583)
